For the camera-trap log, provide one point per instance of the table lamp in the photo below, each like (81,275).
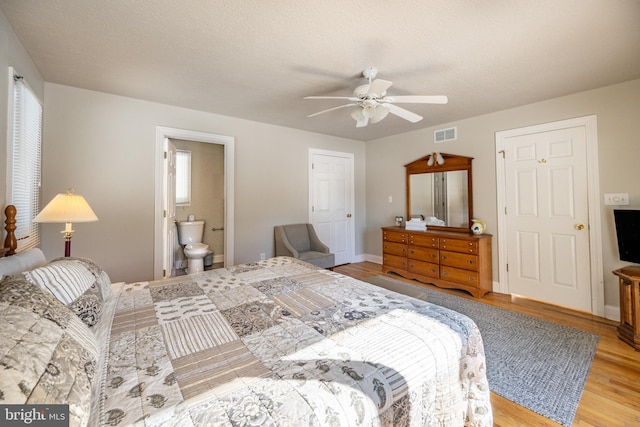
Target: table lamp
(68,208)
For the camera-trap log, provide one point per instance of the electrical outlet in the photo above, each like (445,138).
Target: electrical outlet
(390,199)
(616,199)
(262,256)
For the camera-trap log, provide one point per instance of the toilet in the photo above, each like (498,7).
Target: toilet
(190,236)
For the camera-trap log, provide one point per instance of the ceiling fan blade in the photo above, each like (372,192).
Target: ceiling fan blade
(378,87)
(416,99)
(331,109)
(401,112)
(348,98)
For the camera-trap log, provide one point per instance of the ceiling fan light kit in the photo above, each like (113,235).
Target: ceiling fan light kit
(374,104)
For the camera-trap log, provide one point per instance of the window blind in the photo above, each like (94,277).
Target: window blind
(26,161)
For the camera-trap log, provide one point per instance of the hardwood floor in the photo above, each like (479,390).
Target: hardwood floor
(612,393)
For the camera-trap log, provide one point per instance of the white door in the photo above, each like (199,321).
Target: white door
(331,199)
(169,207)
(547,216)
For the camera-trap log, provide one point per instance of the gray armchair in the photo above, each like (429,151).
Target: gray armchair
(301,241)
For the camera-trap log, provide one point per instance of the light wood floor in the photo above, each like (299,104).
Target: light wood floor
(611,397)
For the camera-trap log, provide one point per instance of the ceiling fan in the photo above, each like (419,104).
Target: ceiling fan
(374,104)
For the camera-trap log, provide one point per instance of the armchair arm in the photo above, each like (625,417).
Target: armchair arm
(283,247)
(316,244)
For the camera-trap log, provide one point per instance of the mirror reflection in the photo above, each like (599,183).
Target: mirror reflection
(442,198)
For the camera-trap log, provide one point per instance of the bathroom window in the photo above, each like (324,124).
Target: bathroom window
(183,178)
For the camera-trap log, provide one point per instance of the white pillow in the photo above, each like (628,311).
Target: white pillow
(23,261)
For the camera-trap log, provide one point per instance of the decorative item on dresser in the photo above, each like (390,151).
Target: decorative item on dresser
(445,258)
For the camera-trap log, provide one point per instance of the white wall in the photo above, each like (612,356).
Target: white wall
(618,111)
(103,146)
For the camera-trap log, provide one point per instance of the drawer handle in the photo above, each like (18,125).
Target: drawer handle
(433,270)
(444,273)
(433,256)
(444,257)
(470,262)
(471,278)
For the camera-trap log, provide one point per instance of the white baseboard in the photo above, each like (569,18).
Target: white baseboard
(612,312)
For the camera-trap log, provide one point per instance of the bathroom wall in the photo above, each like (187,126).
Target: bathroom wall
(207,191)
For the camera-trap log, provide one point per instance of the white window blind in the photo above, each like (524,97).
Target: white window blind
(183,178)
(25,165)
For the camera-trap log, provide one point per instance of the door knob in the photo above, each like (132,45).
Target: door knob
(579,226)
(348,215)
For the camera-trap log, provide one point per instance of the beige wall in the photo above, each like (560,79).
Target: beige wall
(618,113)
(103,145)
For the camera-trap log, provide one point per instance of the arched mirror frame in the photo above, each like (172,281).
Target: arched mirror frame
(451,162)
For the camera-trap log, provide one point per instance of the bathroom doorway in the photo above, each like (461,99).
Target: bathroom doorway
(212,195)
(203,198)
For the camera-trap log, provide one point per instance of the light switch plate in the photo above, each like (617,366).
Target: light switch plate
(616,199)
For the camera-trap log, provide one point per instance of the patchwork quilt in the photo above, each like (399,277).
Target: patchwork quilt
(281,343)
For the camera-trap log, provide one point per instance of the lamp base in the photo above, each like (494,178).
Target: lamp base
(67,244)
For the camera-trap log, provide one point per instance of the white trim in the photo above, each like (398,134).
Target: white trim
(593,184)
(348,156)
(229,161)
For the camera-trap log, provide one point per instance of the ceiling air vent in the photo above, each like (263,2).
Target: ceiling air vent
(444,135)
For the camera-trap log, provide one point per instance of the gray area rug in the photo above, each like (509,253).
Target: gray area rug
(540,365)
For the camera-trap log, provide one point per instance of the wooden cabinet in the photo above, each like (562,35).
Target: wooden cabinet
(629,328)
(445,258)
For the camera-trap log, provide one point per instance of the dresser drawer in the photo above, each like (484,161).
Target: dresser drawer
(458,275)
(424,254)
(460,260)
(423,240)
(392,248)
(424,268)
(394,236)
(457,245)
(394,261)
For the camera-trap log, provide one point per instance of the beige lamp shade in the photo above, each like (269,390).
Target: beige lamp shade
(67,207)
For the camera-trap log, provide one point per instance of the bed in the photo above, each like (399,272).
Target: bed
(276,342)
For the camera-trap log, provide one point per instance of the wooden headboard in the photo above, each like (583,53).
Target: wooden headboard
(10,242)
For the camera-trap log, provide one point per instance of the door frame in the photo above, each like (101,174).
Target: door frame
(351,178)
(228,142)
(593,191)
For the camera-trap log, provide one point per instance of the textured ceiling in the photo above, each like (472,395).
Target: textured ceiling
(257,59)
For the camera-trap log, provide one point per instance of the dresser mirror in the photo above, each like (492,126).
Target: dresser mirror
(439,189)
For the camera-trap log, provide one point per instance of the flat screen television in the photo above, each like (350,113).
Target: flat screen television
(628,232)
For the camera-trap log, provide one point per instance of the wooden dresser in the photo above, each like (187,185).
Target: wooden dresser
(447,259)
